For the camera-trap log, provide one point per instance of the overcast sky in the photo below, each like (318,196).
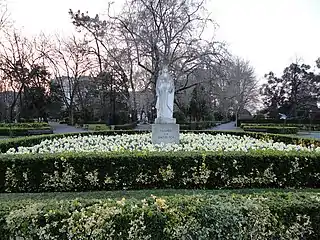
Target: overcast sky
(268,33)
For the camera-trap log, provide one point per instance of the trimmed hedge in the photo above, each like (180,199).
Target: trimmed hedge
(19,131)
(303,127)
(277,121)
(205,216)
(197,125)
(271,129)
(24,125)
(128,126)
(111,171)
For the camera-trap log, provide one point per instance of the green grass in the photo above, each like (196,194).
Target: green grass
(135,194)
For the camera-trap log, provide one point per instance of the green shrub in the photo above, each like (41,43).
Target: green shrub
(271,129)
(231,216)
(197,125)
(278,121)
(128,126)
(111,171)
(19,131)
(303,127)
(24,125)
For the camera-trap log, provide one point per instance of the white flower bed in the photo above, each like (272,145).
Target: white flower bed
(142,142)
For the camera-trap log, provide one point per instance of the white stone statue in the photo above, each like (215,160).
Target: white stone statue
(165,97)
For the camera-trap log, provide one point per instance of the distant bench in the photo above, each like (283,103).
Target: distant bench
(39,131)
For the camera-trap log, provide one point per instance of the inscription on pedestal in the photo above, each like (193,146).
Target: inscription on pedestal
(165,133)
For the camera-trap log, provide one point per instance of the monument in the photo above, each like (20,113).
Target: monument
(165,130)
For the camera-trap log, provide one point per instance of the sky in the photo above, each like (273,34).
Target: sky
(269,33)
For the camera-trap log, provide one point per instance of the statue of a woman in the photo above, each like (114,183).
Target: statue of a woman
(165,95)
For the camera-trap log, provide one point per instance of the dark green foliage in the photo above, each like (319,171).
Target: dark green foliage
(149,170)
(269,215)
(302,127)
(199,105)
(24,125)
(271,129)
(128,126)
(278,121)
(21,129)
(294,94)
(197,125)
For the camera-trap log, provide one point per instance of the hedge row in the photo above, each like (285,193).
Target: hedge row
(278,121)
(197,125)
(112,171)
(230,216)
(128,126)
(5,145)
(271,129)
(24,125)
(19,131)
(304,127)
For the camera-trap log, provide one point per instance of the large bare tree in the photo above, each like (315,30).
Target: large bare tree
(147,34)
(70,63)
(21,66)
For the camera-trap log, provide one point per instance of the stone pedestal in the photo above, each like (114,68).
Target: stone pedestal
(164,120)
(165,133)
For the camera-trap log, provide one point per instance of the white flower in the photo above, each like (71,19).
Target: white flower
(142,142)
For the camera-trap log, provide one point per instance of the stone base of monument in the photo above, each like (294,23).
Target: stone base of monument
(164,120)
(165,132)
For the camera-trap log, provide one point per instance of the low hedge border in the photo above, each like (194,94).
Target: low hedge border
(112,171)
(24,125)
(271,129)
(128,126)
(302,127)
(20,131)
(198,125)
(6,144)
(278,121)
(225,216)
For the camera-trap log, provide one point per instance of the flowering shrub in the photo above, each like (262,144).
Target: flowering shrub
(254,216)
(142,142)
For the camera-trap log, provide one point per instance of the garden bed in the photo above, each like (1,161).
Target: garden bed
(127,160)
(99,162)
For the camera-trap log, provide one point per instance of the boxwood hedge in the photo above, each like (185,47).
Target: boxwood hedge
(271,129)
(302,127)
(111,171)
(202,216)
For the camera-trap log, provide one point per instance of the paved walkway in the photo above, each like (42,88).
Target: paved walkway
(226,126)
(64,128)
(309,134)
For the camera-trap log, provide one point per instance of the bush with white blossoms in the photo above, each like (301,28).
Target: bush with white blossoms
(142,142)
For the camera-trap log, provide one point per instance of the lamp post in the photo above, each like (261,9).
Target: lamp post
(152,114)
(310,120)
